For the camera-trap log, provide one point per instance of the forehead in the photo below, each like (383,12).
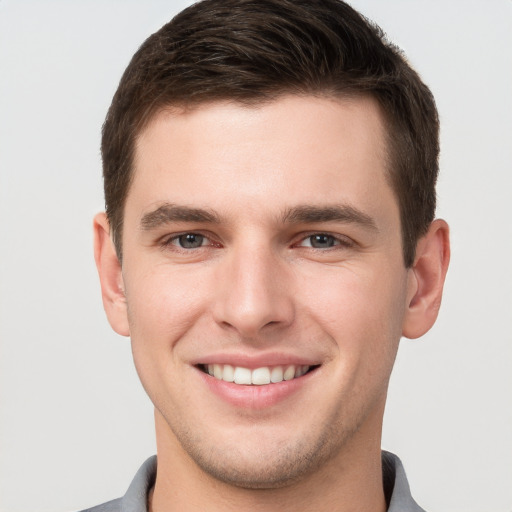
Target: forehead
(292,150)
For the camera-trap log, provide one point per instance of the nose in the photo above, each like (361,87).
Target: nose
(254,293)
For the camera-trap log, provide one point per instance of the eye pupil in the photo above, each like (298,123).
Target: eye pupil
(190,240)
(321,241)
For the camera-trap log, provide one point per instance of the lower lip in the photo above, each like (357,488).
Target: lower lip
(254,397)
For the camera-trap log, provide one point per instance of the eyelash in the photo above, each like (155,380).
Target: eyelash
(339,241)
(169,241)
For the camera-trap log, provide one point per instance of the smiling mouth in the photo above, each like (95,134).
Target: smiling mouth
(258,376)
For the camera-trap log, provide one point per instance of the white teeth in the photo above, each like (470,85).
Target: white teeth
(243,375)
(289,373)
(301,370)
(217,371)
(276,375)
(229,373)
(259,376)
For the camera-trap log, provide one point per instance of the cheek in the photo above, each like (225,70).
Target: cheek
(360,309)
(163,307)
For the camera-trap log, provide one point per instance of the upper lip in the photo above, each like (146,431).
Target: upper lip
(255,361)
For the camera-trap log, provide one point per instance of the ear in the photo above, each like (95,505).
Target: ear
(111,277)
(426,279)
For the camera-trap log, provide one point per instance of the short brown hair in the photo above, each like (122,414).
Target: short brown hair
(253,51)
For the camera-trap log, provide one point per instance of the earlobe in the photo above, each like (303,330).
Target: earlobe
(426,280)
(111,278)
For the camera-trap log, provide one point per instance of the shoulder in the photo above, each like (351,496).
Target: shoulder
(109,506)
(136,497)
(396,486)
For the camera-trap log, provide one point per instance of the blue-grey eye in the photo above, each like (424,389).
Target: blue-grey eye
(190,240)
(322,241)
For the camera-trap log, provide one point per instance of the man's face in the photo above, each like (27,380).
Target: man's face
(259,244)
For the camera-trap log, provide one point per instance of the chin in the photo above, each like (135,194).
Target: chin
(264,464)
(280,470)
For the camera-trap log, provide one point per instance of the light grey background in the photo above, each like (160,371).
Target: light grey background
(75,423)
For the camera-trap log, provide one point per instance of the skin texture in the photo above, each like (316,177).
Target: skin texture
(257,291)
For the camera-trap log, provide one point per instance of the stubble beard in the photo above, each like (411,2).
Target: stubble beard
(273,468)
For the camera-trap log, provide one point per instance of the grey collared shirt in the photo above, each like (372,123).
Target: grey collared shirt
(396,488)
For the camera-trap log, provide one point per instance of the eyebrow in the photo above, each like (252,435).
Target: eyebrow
(304,214)
(169,212)
(307,214)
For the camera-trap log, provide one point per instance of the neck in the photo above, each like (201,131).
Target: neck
(350,481)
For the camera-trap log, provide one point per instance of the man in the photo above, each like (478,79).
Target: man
(269,236)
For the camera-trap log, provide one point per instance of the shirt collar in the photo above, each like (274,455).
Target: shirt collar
(396,487)
(136,497)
